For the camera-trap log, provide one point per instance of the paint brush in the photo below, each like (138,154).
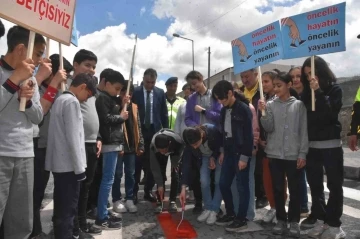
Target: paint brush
(182,215)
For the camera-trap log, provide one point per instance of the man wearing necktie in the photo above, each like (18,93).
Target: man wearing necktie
(153,112)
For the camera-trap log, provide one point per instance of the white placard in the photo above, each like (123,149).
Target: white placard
(51,18)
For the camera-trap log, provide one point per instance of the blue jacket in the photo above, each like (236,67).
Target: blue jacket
(160,112)
(215,142)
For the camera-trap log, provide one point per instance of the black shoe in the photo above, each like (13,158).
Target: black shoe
(83,235)
(261,202)
(114,216)
(91,229)
(172,207)
(108,224)
(197,209)
(149,197)
(143,181)
(236,226)
(135,198)
(220,214)
(292,45)
(301,42)
(309,222)
(225,220)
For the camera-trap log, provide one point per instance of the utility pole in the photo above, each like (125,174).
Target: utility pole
(208,86)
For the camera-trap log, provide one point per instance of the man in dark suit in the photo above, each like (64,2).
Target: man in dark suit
(153,113)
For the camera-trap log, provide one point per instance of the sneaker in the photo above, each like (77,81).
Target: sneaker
(317,230)
(115,218)
(279,228)
(172,207)
(309,222)
(261,202)
(269,216)
(236,226)
(91,229)
(304,212)
(129,205)
(211,218)
(197,209)
(294,230)
(203,216)
(83,235)
(119,207)
(333,233)
(225,220)
(220,214)
(108,224)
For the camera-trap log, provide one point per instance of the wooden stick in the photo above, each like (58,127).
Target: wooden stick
(261,89)
(63,88)
(29,54)
(131,71)
(312,77)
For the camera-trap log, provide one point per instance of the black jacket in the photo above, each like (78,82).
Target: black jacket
(175,151)
(323,123)
(214,140)
(108,109)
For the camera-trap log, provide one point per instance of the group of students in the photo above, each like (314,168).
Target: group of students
(224,132)
(89,134)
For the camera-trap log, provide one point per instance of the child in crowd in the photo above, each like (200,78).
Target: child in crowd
(165,143)
(207,139)
(236,125)
(111,120)
(49,91)
(298,86)
(16,131)
(133,146)
(325,150)
(256,132)
(287,145)
(85,62)
(65,155)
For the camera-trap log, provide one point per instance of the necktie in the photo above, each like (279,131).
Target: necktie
(147,110)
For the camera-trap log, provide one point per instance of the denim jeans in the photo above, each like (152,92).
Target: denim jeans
(229,170)
(210,203)
(251,209)
(109,168)
(129,161)
(303,190)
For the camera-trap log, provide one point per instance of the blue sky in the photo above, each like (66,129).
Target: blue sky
(93,15)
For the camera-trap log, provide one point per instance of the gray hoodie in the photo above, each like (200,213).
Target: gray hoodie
(286,125)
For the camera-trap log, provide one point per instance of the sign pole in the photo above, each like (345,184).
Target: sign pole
(29,54)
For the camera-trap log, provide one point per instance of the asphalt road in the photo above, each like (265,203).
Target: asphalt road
(144,224)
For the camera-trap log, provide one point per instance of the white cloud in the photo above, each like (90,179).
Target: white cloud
(142,11)
(110,16)
(173,56)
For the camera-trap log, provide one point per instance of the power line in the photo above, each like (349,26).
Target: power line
(216,18)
